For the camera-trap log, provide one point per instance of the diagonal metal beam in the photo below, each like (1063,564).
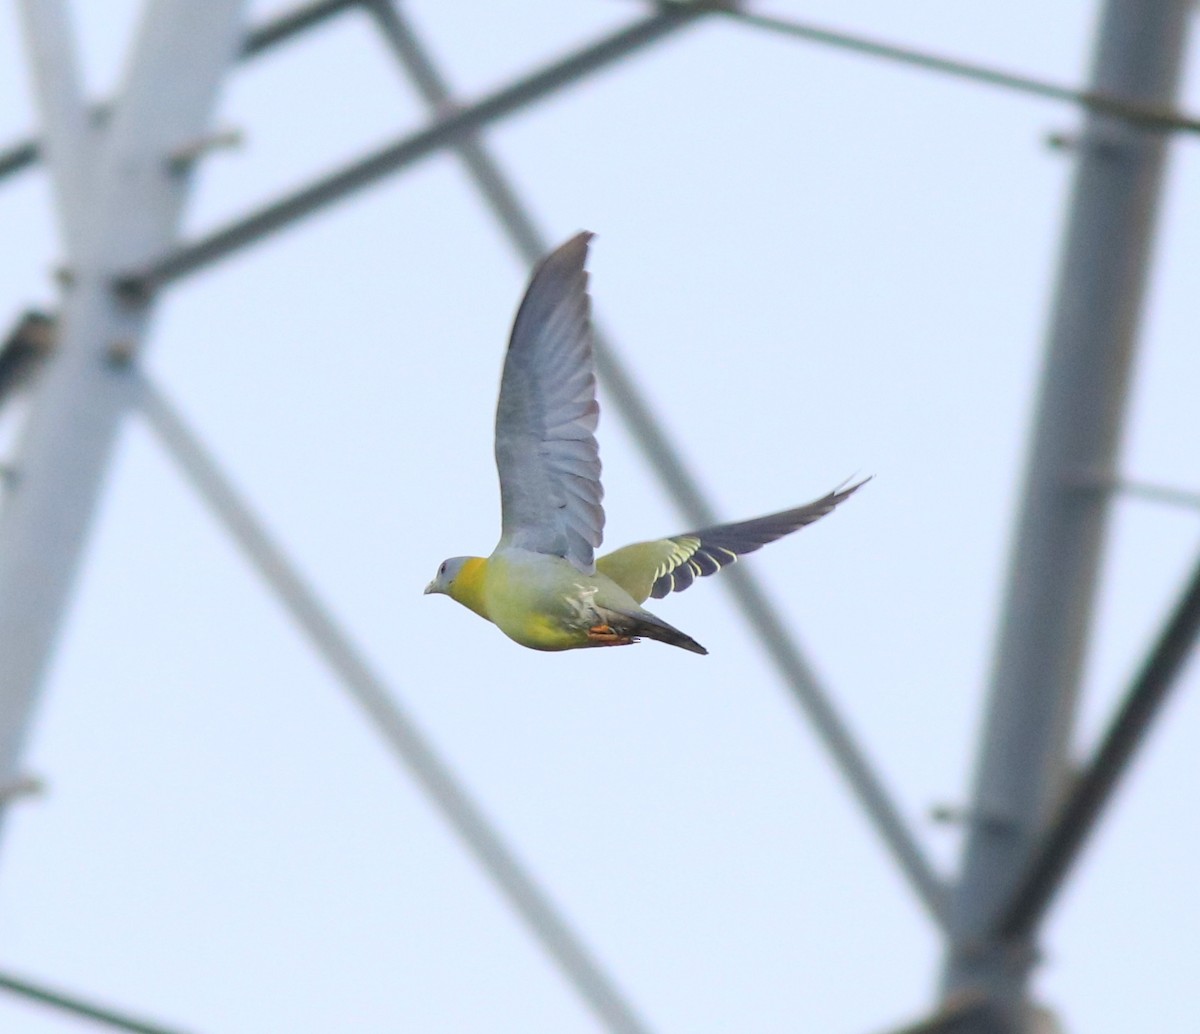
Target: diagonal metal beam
(398,729)
(1065,839)
(283,27)
(667,462)
(24,153)
(76,1006)
(489,179)
(18,156)
(409,149)
(1151,116)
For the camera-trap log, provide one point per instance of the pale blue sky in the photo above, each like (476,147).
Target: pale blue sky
(816,265)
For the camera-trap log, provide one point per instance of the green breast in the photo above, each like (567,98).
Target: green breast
(539,602)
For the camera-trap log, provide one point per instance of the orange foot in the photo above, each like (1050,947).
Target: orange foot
(605,635)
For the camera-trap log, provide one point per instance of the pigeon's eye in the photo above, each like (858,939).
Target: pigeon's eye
(442,569)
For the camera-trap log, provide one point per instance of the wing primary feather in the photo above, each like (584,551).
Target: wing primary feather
(546,451)
(698,554)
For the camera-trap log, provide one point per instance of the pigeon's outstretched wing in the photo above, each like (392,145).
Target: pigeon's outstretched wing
(546,452)
(671,565)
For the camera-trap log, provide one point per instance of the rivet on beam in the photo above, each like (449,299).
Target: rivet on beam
(183,157)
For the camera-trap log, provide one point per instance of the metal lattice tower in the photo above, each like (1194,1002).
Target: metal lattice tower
(121,177)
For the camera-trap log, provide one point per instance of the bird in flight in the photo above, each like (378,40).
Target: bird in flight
(543,586)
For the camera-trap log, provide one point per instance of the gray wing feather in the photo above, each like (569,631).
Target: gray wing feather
(546,451)
(706,551)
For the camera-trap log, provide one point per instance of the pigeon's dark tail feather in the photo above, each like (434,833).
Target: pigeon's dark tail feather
(645,625)
(671,636)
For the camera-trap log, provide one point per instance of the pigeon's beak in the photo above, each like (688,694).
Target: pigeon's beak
(430,588)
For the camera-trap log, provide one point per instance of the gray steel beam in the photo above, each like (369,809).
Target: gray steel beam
(67,128)
(76,1006)
(1043,633)
(491,182)
(1063,842)
(25,153)
(283,27)
(375,166)
(668,464)
(1154,116)
(403,736)
(1153,493)
(128,209)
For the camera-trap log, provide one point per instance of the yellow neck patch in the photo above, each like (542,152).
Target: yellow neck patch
(467,588)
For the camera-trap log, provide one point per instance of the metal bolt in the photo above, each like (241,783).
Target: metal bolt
(947,814)
(132,289)
(121,352)
(23,786)
(954,814)
(1061,141)
(187,154)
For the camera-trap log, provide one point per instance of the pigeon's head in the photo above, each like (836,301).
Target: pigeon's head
(443,581)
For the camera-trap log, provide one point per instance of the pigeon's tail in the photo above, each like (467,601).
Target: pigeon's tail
(644,625)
